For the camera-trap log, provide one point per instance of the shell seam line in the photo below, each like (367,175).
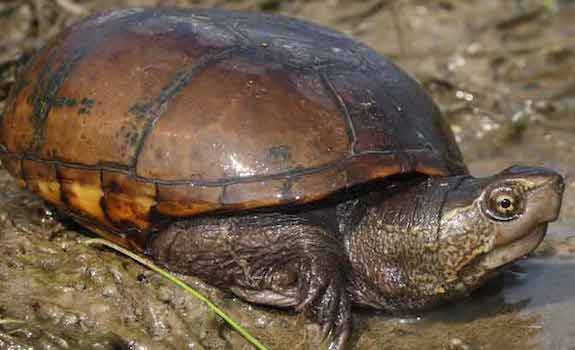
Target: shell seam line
(343,109)
(204,183)
(46,92)
(401,111)
(155,108)
(105,196)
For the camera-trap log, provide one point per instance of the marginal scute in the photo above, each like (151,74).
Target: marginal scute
(186,200)
(128,202)
(82,192)
(42,179)
(256,194)
(311,186)
(376,166)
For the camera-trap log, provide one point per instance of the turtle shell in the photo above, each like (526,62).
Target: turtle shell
(140,114)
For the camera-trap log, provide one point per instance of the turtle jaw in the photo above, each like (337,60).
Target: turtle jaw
(515,250)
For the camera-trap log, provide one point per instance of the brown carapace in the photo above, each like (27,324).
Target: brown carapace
(277,159)
(136,116)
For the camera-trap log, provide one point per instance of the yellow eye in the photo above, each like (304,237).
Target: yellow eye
(504,204)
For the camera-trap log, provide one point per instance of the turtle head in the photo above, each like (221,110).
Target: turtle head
(442,237)
(506,215)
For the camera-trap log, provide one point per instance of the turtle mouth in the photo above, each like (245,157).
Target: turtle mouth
(516,249)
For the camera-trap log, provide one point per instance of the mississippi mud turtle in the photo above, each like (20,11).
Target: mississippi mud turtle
(269,156)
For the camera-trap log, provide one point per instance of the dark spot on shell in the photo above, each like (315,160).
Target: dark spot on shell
(64,101)
(46,91)
(113,187)
(139,110)
(280,154)
(133,139)
(86,105)
(286,192)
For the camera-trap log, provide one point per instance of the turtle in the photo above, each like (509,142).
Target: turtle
(280,160)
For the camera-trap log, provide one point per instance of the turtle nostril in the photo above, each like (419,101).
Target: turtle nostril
(559,185)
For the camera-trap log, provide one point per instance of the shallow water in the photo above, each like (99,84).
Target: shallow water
(503,73)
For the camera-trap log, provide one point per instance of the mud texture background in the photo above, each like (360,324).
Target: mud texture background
(503,72)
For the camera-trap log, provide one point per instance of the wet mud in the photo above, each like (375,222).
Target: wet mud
(503,73)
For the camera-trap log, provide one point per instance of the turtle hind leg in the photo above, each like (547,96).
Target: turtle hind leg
(273,258)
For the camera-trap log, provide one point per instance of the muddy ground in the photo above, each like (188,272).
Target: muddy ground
(503,72)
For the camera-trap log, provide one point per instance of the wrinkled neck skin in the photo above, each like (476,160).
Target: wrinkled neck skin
(403,259)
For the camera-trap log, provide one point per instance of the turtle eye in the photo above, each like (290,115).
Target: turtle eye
(504,204)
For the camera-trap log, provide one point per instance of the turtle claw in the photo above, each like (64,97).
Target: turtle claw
(325,331)
(340,341)
(324,299)
(340,326)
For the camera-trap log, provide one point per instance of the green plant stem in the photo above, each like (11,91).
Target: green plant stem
(183,285)
(10,321)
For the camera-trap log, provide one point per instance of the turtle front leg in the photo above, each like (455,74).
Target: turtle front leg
(274,259)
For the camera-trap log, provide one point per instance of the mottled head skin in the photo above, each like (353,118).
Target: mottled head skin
(441,238)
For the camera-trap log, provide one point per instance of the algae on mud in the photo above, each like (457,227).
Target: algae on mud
(503,75)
